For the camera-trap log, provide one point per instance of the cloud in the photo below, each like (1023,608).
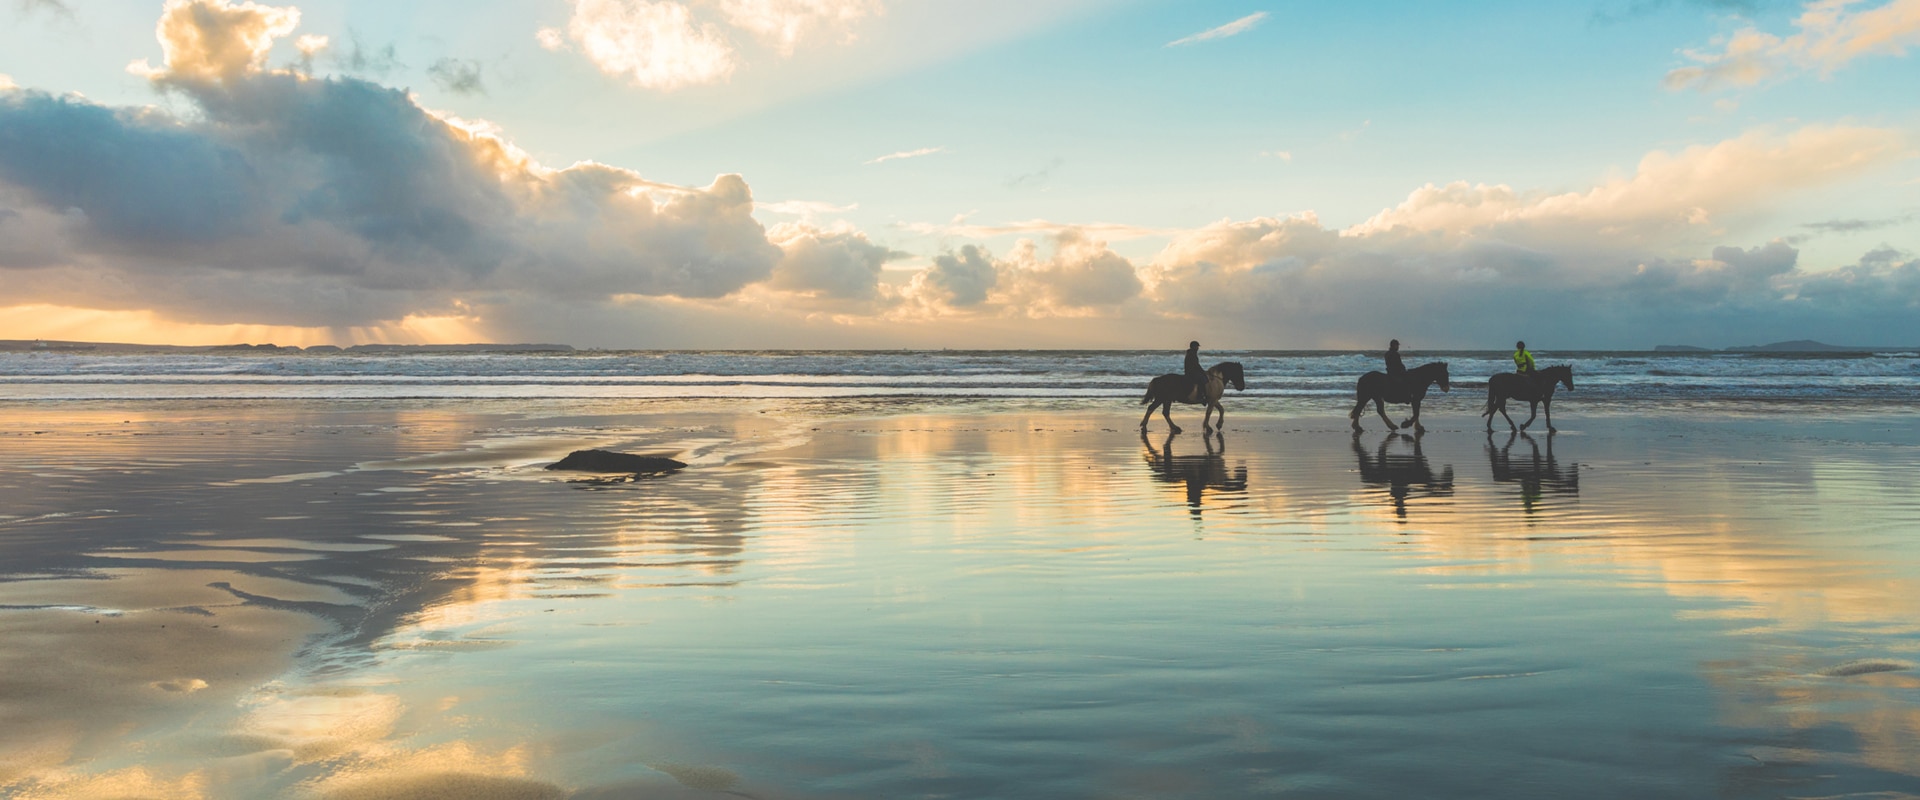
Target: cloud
(782,24)
(1283,155)
(1669,190)
(457,76)
(295,200)
(58,8)
(1234,28)
(1081,273)
(1857,225)
(961,229)
(361,59)
(806,209)
(654,45)
(1830,36)
(959,279)
(836,262)
(924,151)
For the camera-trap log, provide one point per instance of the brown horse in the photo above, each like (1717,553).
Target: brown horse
(1377,388)
(1164,391)
(1537,391)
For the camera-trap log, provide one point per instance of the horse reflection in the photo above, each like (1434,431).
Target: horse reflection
(1198,472)
(1538,475)
(1403,474)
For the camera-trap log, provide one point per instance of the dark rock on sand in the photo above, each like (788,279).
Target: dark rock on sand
(609,461)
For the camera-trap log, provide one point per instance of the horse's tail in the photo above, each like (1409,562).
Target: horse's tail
(1148,397)
(1491,403)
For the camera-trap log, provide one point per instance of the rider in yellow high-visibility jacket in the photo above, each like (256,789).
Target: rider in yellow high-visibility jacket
(1522,360)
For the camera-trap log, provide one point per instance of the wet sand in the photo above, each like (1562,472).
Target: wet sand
(966,599)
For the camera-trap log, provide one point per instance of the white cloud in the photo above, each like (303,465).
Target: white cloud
(960,228)
(782,24)
(1283,155)
(1668,191)
(806,209)
(1830,36)
(1234,28)
(6,82)
(656,45)
(924,151)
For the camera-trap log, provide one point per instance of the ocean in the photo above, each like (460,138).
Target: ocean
(1283,378)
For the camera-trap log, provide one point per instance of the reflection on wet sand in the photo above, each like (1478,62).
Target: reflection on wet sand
(1404,474)
(1537,475)
(919,605)
(1198,472)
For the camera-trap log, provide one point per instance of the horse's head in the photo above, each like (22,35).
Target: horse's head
(1230,372)
(1562,373)
(1446,381)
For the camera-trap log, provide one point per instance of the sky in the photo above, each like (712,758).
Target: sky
(961,173)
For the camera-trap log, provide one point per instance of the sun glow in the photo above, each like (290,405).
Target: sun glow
(68,323)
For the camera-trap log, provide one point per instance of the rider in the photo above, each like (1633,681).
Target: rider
(1523,364)
(1195,374)
(1522,360)
(1396,371)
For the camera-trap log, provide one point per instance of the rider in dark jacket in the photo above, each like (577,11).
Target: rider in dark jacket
(1396,371)
(1196,375)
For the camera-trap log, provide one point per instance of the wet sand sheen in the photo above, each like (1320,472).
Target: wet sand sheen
(988,600)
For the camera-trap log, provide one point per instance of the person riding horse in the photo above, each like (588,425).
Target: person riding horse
(1196,375)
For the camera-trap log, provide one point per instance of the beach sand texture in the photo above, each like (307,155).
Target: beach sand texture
(847,598)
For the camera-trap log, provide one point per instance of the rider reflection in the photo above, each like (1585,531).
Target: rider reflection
(1198,472)
(1403,474)
(1538,475)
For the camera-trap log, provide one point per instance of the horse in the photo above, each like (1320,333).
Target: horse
(1536,391)
(1375,387)
(1164,391)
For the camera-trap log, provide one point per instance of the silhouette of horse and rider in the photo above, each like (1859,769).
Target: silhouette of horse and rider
(1194,387)
(1396,385)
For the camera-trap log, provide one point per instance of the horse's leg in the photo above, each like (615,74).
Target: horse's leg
(1509,418)
(1164,413)
(1380,407)
(1359,406)
(1148,417)
(1415,419)
(1533,410)
(1548,403)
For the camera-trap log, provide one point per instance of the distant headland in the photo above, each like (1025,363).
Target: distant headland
(51,346)
(1795,346)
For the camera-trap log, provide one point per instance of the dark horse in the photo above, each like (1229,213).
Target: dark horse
(1375,387)
(1536,391)
(1164,391)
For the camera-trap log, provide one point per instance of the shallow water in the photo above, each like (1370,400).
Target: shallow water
(963,599)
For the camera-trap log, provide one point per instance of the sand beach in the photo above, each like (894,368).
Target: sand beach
(923,598)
